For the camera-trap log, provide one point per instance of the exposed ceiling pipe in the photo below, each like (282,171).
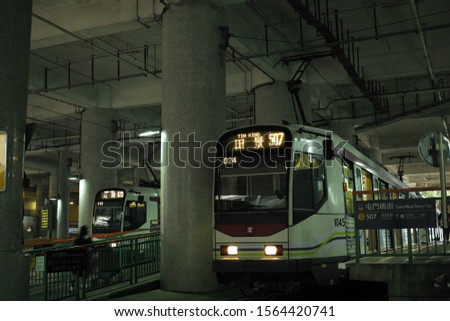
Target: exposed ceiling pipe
(280,34)
(346,42)
(113,54)
(424,46)
(387,94)
(39,151)
(45,139)
(54,125)
(352,70)
(87,83)
(443,104)
(58,65)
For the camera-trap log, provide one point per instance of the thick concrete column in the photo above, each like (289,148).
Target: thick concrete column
(62,230)
(193,113)
(15,29)
(273,104)
(343,125)
(310,98)
(52,207)
(96,130)
(41,182)
(374,150)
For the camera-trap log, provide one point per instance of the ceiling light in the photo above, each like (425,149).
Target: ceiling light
(150,133)
(74,177)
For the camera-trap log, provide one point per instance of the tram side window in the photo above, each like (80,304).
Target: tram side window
(376,187)
(135,215)
(108,215)
(308,181)
(358,182)
(367,185)
(384,186)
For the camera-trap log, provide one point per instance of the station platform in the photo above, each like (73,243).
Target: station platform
(160,295)
(148,290)
(426,278)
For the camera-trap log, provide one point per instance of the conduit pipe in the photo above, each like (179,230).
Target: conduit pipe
(424,46)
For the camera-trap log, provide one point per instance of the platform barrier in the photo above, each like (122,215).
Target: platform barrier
(76,272)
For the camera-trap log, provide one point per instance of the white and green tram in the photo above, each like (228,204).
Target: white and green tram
(283,205)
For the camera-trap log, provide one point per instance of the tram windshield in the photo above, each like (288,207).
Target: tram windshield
(255,192)
(108,215)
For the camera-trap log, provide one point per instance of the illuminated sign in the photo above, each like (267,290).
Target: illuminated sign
(387,214)
(257,140)
(3,139)
(112,194)
(44,218)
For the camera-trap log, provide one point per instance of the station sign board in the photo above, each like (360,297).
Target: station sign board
(387,214)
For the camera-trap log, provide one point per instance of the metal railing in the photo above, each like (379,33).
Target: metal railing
(77,272)
(408,243)
(411,243)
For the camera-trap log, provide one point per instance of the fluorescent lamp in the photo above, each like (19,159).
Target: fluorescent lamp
(149,133)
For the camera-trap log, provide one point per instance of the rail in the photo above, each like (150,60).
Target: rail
(411,243)
(75,272)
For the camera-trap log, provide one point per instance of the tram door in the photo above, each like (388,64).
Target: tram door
(349,187)
(367,184)
(386,236)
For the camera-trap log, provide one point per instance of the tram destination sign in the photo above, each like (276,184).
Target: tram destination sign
(384,214)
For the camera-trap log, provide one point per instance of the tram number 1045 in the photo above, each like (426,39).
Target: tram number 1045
(339,222)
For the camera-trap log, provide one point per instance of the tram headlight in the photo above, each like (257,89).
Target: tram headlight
(228,250)
(271,250)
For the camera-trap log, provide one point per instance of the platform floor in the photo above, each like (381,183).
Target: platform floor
(148,290)
(160,295)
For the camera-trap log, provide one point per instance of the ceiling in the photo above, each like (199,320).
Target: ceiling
(386,71)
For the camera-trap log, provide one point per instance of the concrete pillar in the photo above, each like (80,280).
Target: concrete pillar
(138,175)
(53,202)
(62,230)
(343,125)
(42,183)
(309,98)
(15,30)
(273,104)
(96,130)
(193,113)
(374,150)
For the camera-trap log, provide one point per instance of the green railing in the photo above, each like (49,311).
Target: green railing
(408,243)
(78,272)
(411,243)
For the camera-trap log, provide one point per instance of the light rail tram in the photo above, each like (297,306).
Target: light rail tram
(283,206)
(126,210)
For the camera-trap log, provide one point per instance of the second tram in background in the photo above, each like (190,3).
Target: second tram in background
(126,210)
(283,206)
